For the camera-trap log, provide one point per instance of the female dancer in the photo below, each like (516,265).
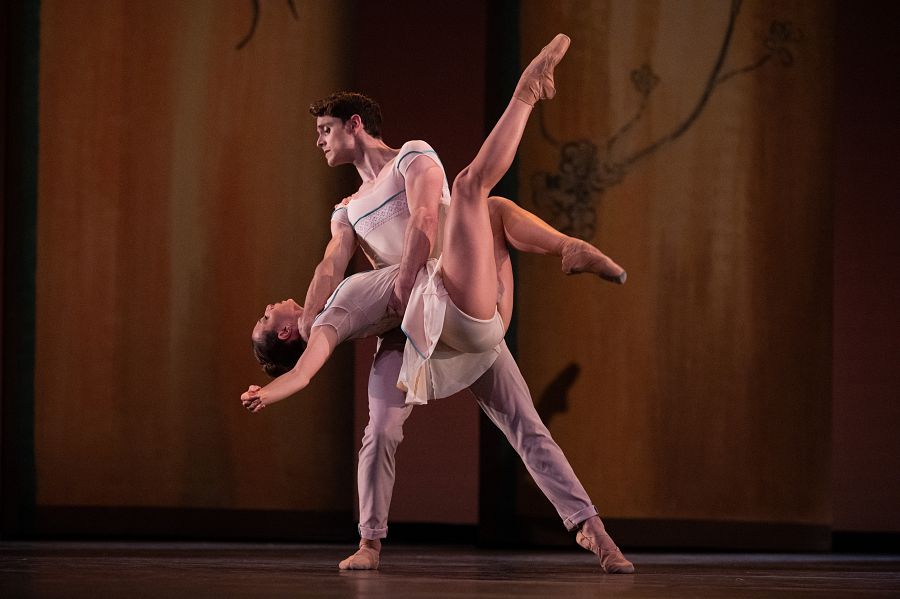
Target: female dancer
(453,321)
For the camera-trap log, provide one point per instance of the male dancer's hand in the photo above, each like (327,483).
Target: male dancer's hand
(304,326)
(396,305)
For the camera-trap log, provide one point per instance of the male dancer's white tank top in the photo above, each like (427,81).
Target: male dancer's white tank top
(379,216)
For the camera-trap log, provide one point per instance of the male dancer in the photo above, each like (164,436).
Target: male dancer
(402,191)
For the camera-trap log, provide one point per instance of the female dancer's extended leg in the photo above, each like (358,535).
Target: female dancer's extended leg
(528,233)
(469,270)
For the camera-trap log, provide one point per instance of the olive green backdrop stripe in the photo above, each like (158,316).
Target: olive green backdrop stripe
(21,30)
(497,459)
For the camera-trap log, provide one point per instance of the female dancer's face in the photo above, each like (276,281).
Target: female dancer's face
(281,317)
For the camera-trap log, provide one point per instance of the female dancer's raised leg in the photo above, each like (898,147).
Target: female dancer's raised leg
(468,267)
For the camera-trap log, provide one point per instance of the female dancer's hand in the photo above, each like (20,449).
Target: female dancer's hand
(252,399)
(322,342)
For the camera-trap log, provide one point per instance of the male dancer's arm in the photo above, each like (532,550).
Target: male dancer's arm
(329,273)
(424,181)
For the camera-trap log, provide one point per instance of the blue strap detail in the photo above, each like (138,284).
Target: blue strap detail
(377,207)
(418,152)
(413,343)
(335,292)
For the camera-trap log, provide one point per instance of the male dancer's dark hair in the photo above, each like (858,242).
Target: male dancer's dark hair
(343,105)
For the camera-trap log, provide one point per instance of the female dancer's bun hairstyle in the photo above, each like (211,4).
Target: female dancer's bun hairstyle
(277,356)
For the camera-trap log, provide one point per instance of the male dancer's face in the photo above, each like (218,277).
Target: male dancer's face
(335,139)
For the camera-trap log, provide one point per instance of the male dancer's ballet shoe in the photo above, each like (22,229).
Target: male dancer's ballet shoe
(580,256)
(536,82)
(611,559)
(366,558)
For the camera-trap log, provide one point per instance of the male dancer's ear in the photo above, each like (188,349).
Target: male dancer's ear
(354,124)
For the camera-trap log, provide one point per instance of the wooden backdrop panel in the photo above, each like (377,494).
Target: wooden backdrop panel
(179,192)
(700,389)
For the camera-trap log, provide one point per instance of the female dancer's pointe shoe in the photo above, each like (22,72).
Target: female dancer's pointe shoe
(580,256)
(611,559)
(536,82)
(365,559)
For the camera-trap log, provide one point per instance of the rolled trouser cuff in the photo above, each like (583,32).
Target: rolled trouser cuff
(573,521)
(371,533)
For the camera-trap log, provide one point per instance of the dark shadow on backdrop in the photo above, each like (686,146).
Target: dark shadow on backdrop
(19,30)
(555,398)
(496,458)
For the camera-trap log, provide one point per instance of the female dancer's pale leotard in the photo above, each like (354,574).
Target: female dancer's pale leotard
(446,350)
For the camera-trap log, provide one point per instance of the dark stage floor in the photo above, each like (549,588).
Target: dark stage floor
(55,569)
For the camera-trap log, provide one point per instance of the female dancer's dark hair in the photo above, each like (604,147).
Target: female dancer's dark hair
(276,355)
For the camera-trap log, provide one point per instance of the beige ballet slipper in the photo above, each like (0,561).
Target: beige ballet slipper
(366,558)
(580,256)
(611,559)
(536,82)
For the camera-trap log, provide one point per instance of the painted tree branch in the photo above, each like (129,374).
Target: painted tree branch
(704,97)
(568,194)
(255,21)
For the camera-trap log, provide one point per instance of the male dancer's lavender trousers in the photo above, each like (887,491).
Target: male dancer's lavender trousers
(503,395)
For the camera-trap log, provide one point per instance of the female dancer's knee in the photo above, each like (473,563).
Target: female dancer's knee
(499,208)
(499,203)
(467,185)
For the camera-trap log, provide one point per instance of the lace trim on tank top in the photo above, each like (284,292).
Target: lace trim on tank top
(389,210)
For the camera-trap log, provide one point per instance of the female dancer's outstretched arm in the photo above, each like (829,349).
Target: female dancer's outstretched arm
(322,341)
